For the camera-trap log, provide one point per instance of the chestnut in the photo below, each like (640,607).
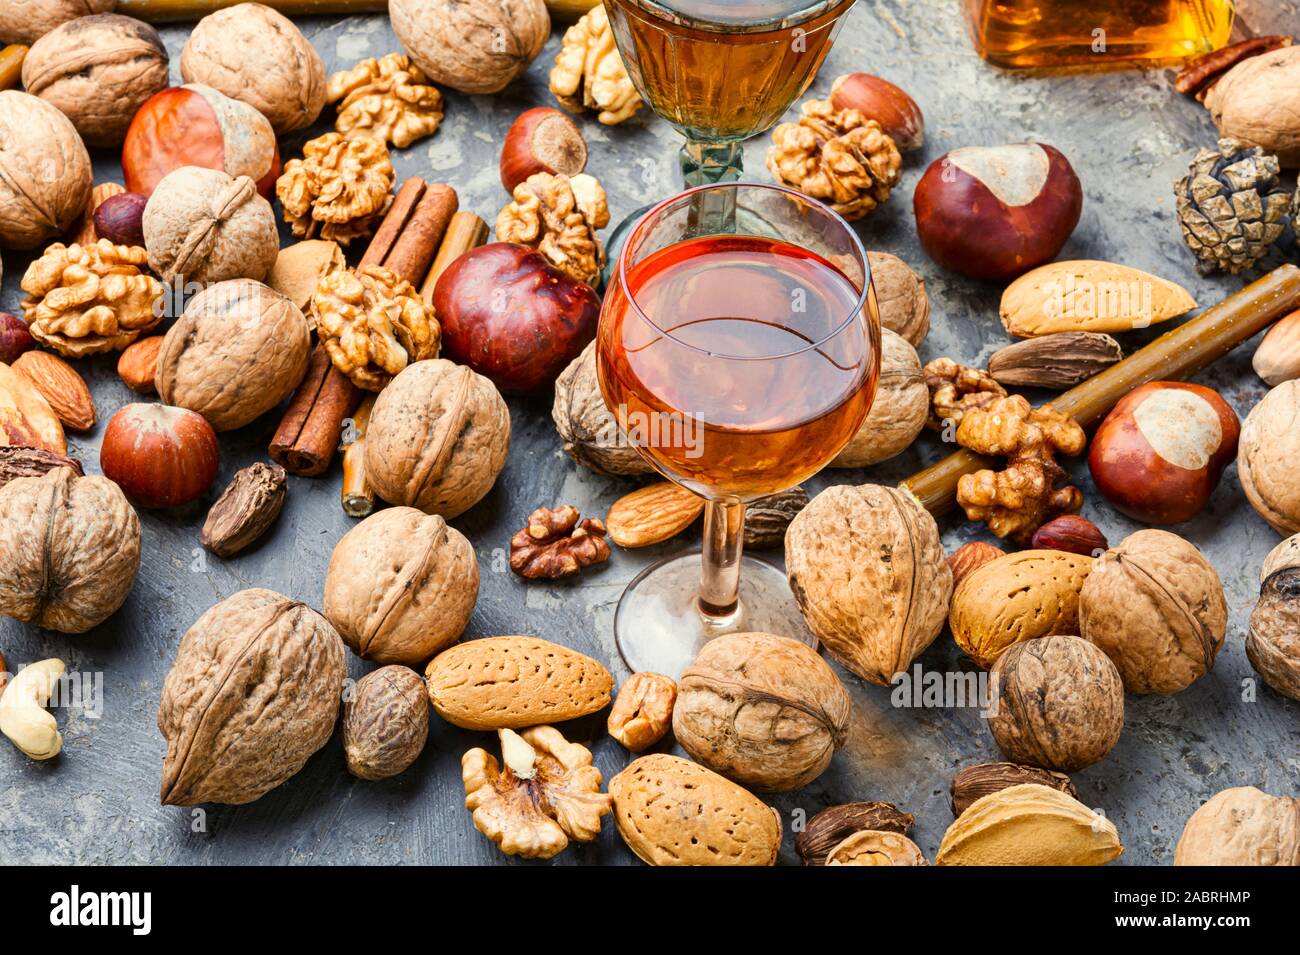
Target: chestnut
(879,99)
(120,218)
(542,139)
(195,125)
(159,455)
(1159,454)
(15,339)
(995,212)
(512,317)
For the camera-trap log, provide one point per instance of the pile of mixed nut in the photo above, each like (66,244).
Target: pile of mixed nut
(392,329)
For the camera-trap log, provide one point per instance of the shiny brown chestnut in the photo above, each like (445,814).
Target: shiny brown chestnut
(512,317)
(1159,454)
(542,139)
(995,212)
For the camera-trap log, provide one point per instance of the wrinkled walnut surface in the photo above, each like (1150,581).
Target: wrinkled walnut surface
(558,216)
(401,586)
(761,709)
(69,550)
(339,189)
(82,300)
(474,46)
(238,350)
(253,693)
(900,297)
(899,412)
(589,72)
(373,323)
(45,176)
(1242,826)
(591,435)
(1266,454)
(387,98)
(25,21)
(1273,641)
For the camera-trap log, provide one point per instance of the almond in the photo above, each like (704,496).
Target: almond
(652,514)
(1089,296)
(138,363)
(61,386)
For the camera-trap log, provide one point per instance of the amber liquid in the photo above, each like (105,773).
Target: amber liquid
(718,355)
(723,69)
(1040,33)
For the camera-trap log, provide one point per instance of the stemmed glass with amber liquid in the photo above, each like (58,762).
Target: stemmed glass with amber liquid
(738,360)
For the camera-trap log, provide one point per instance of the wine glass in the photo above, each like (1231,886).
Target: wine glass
(719,71)
(738,360)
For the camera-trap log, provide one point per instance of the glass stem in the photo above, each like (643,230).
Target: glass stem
(704,162)
(724,532)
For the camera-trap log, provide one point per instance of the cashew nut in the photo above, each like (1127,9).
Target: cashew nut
(23,717)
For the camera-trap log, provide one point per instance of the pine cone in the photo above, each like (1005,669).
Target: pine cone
(1231,208)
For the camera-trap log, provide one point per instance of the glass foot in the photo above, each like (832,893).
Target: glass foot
(658,625)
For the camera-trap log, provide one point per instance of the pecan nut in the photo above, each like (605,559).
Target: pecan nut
(555,544)
(643,711)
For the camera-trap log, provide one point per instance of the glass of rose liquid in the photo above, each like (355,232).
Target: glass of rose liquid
(738,360)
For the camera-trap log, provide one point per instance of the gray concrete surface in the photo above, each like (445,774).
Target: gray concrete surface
(1128,136)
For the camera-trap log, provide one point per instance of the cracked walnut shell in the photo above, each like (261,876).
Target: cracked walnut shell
(401,586)
(868,572)
(1156,607)
(589,72)
(339,189)
(83,300)
(69,550)
(388,98)
(558,216)
(437,439)
(555,544)
(544,793)
(255,54)
(373,324)
(643,710)
(45,175)
(761,709)
(253,693)
(838,156)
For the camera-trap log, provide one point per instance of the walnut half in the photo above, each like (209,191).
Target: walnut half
(546,795)
(558,216)
(339,189)
(388,98)
(555,545)
(589,73)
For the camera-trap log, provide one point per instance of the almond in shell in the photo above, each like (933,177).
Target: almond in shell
(652,514)
(61,386)
(673,812)
(514,682)
(1089,296)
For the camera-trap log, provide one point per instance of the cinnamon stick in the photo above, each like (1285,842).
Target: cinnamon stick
(466,231)
(1174,356)
(173,11)
(11,65)
(309,432)
(358,495)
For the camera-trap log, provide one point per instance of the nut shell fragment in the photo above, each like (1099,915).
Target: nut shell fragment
(245,510)
(643,711)
(1029,825)
(869,847)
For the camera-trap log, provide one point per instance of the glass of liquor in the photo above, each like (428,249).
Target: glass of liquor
(738,360)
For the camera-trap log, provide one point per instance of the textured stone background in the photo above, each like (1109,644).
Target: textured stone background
(1128,136)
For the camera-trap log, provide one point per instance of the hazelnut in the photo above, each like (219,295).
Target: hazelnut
(1072,534)
(1242,826)
(1277,359)
(994,212)
(1056,702)
(881,100)
(15,339)
(542,139)
(1156,607)
(139,364)
(385,722)
(643,711)
(159,455)
(1159,454)
(970,557)
(120,219)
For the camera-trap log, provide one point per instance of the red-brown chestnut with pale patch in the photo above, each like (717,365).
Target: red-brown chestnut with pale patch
(995,212)
(542,139)
(159,455)
(1159,454)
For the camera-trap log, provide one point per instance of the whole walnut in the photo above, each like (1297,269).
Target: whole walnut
(899,411)
(1273,640)
(591,435)
(26,21)
(98,70)
(203,226)
(761,709)
(45,177)
(256,55)
(69,550)
(1056,702)
(401,586)
(474,46)
(1266,456)
(437,439)
(237,351)
(385,722)
(1242,826)
(253,693)
(868,571)
(900,297)
(1155,605)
